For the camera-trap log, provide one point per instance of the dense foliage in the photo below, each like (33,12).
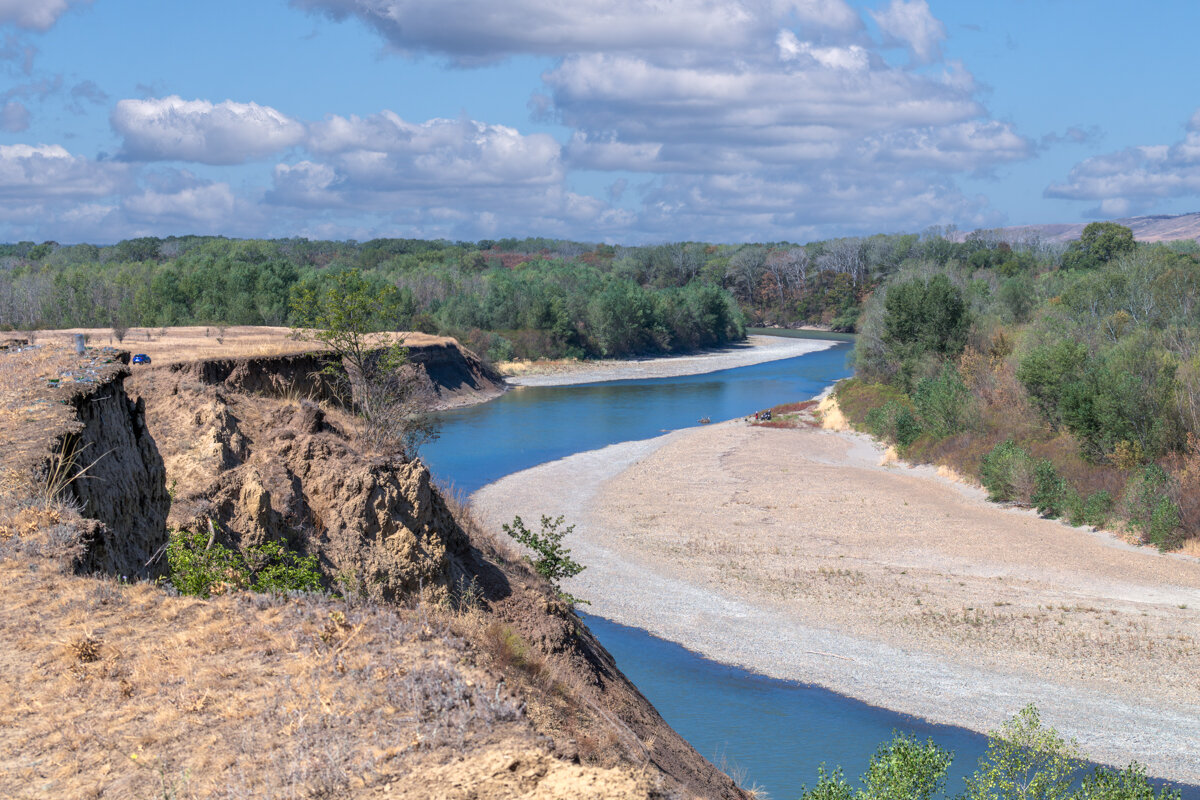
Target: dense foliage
(505,298)
(532,298)
(1066,379)
(198,564)
(1024,761)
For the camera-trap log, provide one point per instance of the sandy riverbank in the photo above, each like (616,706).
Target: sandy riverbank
(755,350)
(793,553)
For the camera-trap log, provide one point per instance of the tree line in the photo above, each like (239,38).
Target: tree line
(1065,380)
(506,297)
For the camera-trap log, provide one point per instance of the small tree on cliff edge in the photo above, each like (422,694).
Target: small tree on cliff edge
(351,315)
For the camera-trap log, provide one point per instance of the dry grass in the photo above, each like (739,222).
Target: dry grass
(512,369)
(194,343)
(239,696)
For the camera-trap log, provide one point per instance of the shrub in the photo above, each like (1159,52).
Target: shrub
(280,570)
(1050,492)
(894,422)
(1007,472)
(942,402)
(1094,511)
(830,786)
(553,561)
(200,565)
(1150,507)
(1127,784)
(1024,761)
(906,769)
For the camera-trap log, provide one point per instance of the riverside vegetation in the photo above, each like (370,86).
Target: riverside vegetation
(1025,760)
(506,298)
(1068,382)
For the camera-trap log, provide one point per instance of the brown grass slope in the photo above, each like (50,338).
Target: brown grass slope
(451,671)
(1155,228)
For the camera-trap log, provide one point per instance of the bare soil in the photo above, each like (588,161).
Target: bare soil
(809,554)
(755,350)
(452,670)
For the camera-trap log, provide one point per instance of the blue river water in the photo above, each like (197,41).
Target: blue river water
(765,732)
(530,425)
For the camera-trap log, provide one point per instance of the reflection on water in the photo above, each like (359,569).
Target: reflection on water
(532,425)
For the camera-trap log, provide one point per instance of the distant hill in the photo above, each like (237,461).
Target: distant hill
(1156,228)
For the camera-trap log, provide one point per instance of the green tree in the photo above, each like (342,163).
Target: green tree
(907,769)
(1025,761)
(351,315)
(553,561)
(926,316)
(1099,244)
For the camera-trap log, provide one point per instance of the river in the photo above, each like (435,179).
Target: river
(765,732)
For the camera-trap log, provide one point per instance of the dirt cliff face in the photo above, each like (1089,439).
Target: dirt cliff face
(478,681)
(453,375)
(74,436)
(124,487)
(263,466)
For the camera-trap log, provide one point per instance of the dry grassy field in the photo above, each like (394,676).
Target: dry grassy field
(174,345)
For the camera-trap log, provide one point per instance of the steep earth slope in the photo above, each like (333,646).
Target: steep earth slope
(448,670)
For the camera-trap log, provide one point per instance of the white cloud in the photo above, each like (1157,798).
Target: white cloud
(194,206)
(640,100)
(305,185)
(174,129)
(853,58)
(31,172)
(39,15)
(966,146)
(386,152)
(761,207)
(1135,178)
(478,31)
(910,23)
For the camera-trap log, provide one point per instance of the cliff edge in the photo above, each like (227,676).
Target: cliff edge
(435,664)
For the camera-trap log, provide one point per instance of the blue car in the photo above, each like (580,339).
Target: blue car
(141,358)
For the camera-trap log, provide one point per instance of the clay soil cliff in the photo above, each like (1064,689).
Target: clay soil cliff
(435,664)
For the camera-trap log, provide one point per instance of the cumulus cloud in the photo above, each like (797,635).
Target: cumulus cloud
(911,24)
(1135,178)
(964,147)
(174,129)
(761,207)
(641,100)
(14,117)
(386,152)
(853,58)
(478,31)
(201,206)
(32,172)
(38,15)
(756,104)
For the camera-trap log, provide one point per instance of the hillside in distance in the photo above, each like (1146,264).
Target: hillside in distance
(1152,228)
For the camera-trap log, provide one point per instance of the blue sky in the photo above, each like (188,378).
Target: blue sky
(599,120)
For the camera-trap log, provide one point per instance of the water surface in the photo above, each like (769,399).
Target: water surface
(763,731)
(530,425)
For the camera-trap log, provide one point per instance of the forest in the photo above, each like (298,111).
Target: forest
(1066,380)
(506,298)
